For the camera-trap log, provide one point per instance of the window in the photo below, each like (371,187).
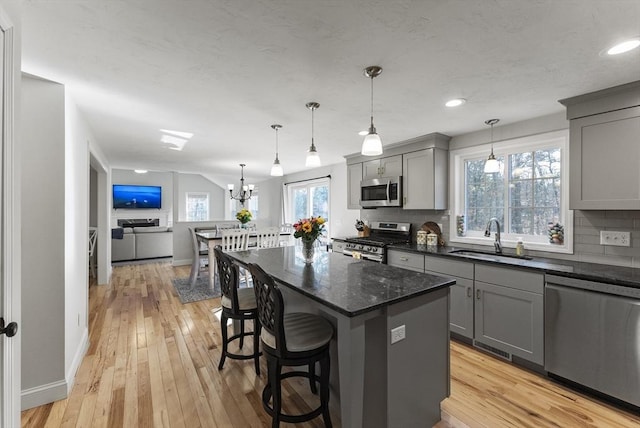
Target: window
(197,206)
(529,194)
(307,199)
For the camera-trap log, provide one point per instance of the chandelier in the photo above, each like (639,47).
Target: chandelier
(245,191)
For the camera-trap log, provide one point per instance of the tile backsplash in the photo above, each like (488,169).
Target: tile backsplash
(586,234)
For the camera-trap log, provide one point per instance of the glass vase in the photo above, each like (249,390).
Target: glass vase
(308,251)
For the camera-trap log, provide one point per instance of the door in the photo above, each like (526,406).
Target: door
(9,233)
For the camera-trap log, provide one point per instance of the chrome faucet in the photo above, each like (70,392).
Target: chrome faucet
(487,233)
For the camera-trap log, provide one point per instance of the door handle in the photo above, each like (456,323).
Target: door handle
(469,292)
(478,294)
(10,330)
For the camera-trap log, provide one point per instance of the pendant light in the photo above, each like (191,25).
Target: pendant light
(313,158)
(276,169)
(491,165)
(372,144)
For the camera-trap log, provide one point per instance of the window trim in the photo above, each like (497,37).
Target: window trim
(504,148)
(193,194)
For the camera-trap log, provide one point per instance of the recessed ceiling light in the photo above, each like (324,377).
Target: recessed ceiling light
(625,46)
(455,102)
(181,134)
(140,171)
(363,132)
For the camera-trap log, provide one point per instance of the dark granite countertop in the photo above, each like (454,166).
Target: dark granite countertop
(618,275)
(347,285)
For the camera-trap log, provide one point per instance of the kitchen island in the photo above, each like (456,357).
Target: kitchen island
(376,383)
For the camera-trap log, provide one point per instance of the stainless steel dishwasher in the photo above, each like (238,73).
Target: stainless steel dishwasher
(592,335)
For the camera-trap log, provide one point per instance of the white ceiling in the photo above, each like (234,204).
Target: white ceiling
(228,69)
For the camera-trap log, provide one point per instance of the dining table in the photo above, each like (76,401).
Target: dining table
(211,238)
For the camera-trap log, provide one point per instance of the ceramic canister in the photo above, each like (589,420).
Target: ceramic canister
(421,237)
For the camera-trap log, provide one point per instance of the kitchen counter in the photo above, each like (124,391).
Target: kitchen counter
(618,275)
(377,383)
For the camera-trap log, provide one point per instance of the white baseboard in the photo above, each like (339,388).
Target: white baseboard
(181,262)
(43,394)
(77,360)
(59,390)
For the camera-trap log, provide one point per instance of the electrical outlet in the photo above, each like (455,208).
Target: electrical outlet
(619,239)
(398,334)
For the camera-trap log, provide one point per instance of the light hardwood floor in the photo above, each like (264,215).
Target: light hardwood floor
(153,362)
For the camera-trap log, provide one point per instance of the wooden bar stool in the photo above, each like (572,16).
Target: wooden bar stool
(237,304)
(293,339)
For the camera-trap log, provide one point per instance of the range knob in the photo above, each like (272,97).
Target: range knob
(360,247)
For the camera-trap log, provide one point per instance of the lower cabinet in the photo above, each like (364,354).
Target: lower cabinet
(509,311)
(461,299)
(501,309)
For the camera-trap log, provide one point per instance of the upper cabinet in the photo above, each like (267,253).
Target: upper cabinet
(422,163)
(354,176)
(385,167)
(605,149)
(424,179)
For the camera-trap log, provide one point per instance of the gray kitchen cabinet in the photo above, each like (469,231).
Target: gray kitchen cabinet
(604,149)
(509,311)
(604,157)
(385,167)
(424,179)
(461,299)
(405,260)
(354,176)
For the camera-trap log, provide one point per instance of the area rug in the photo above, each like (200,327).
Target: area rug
(201,290)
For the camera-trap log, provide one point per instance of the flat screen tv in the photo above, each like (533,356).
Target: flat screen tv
(134,196)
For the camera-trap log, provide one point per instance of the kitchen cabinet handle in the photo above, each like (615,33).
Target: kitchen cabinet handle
(478,294)
(469,292)
(404,259)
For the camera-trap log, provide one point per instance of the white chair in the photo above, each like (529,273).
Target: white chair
(236,240)
(93,238)
(200,258)
(268,237)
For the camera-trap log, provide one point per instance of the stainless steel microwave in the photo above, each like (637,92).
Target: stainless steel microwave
(381,192)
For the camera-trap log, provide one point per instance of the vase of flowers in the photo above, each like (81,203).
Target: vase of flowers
(244,216)
(308,230)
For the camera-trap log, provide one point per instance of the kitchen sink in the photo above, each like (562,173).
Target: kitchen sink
(485,255)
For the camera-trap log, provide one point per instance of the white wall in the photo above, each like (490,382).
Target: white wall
(198,184)
(341,219)
(43,216)
(77,139)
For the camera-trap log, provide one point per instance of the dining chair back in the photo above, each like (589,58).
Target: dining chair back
(268,237)
(235,240)
(200,257)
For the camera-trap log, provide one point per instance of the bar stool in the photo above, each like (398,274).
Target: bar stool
(293,339)
(237,304)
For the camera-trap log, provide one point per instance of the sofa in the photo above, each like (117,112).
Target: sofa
(136,243)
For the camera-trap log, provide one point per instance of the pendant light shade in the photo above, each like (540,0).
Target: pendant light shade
(491,165)
(372,144)
(313,158)
(276,168)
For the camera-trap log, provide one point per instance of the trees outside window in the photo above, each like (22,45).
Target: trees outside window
(309,199)
(197,206)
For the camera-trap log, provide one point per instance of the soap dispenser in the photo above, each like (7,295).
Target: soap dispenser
(520,248)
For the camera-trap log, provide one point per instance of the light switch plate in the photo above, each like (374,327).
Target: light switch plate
(618,239)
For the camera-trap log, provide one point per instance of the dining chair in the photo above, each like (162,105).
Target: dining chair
(93,238)
(238,304)
(268,237)
(236,240)
(295,339)
(200,258)
(286,230)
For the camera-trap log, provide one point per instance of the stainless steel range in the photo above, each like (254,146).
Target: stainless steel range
(382,234)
